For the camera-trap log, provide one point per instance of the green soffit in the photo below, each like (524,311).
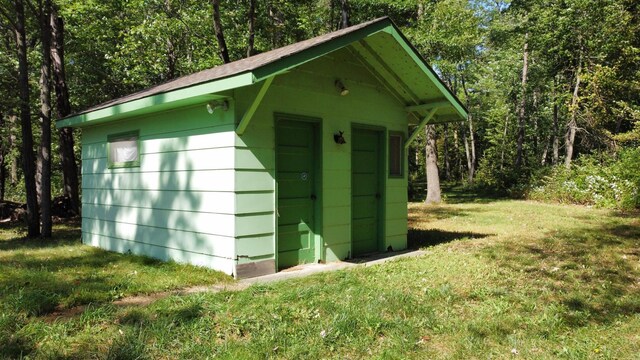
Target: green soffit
(208,84)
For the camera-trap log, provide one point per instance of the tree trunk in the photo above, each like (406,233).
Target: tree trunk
(556,137)
(447,161)
(217,27)
(545,151)
(252,30)
(535,139)
(523,102)
(44,155)
(433,178)
(504,142)
(471,148)
(4,146)
(63,107)
(28,160)
(467,152)
(344,14)
(570,136)
(172,58)
(13,141)
(456,147)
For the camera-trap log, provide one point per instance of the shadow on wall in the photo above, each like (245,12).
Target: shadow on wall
(162,216)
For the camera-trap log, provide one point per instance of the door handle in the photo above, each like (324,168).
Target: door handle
(377,195)
(313,196)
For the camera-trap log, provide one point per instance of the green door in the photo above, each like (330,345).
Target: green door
(365,191)
(296,177)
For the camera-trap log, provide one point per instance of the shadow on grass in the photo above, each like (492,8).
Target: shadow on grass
(418,238)
(41,276)
(67,234)
(591,271)
(425,213)
(457,194)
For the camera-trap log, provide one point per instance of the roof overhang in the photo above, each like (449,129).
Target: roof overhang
(378,44)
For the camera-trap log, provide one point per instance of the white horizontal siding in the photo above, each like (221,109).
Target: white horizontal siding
(178,204)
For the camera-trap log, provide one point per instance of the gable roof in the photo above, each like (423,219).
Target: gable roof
(204,85)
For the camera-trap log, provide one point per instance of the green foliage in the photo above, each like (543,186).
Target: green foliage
(600,180)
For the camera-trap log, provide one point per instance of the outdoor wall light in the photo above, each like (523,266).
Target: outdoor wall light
(341,88)
(339,138)
(213,105)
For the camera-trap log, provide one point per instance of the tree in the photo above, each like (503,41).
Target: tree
(252,26)
(522,112)
(217,25)
(44,155)
(433,176)
(344,14)
(63,108)
(28,158)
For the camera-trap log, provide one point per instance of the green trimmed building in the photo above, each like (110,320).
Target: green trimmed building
(297,155)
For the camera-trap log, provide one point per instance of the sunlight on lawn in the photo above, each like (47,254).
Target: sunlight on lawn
(500,279)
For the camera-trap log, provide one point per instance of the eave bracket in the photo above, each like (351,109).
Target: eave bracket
(420,126)
(248,115)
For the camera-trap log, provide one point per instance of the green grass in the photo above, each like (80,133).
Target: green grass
(38,277)
(500,279)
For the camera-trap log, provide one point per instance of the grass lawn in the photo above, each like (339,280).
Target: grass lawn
(501,279)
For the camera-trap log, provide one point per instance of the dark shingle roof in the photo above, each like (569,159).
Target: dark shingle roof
(233,68)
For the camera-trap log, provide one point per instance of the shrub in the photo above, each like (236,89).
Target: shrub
(600,180)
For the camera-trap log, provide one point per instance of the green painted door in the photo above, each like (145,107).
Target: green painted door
(296,177)
(365,191)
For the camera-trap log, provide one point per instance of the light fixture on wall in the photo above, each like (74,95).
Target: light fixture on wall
(341,88)
(212,106)
(339,138)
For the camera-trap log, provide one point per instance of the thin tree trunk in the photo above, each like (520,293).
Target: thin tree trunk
(433,178)
(456,147)
(44,155)
(252,30)
(504,141)
(471,148)
(570,136)
(28,159)
(4,146)
(545,151)
(447,161)
(63,108)
(217,26)
(536,128)
(556,128)
(344,14)
(13,142)
(522,106)
(172,58)
(467,152)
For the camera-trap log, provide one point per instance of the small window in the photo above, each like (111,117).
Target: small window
(395,155)
(123,150)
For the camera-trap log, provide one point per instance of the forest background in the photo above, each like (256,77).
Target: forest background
(552,87)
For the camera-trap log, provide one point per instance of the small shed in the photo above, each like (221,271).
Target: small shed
(296,155)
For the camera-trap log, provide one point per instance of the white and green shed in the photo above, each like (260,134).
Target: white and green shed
(292,156)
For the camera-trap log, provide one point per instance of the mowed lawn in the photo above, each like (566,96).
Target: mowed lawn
(500,279)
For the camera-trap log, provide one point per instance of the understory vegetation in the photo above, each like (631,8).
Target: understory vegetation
(601,180)
(498,279)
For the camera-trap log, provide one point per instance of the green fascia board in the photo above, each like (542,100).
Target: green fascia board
(165,101)
(285,64)
(415,55)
